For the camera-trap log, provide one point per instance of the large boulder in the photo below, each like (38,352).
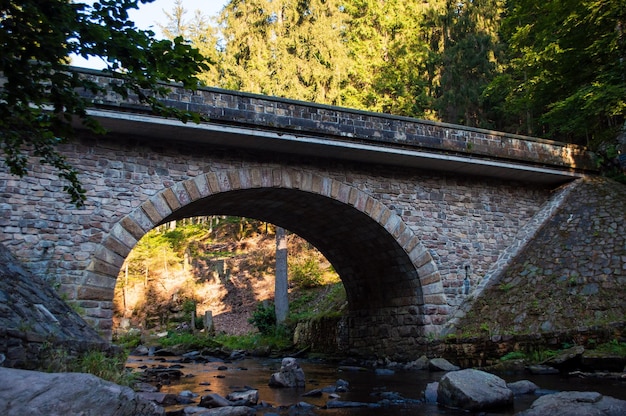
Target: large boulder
(33,393)
(473,390)
(576,403)
(290,374)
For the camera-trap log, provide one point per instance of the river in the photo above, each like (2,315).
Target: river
(364,386)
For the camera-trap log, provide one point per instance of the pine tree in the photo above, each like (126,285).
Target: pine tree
(565,77)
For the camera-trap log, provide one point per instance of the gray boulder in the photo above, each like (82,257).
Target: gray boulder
(290,374)
(570,403)
(473,390)
(244,398)
(419,364)
(430,394)
(34,393)
(214,400)
(441,364)
(522,387)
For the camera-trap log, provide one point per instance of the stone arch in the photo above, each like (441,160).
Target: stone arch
(392,283)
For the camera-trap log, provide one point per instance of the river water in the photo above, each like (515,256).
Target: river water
(364,386)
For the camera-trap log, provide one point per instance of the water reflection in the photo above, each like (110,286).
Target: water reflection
(365,387)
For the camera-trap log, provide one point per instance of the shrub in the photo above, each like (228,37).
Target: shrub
(187,340)
(513,355)
(264,318)
(305,274)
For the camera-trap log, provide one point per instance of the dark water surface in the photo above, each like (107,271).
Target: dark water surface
(365,387)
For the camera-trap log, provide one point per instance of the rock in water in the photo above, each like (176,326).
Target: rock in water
(576,403)
(34,393)
(522,387)
(441,364)
(247,397)
(290,374)
(471,389)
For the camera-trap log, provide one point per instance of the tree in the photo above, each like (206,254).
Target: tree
(40,96)
(198,31)
(565,76)
(284,48)
(467,59)
(389,49)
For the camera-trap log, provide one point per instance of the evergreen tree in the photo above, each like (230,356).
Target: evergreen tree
(565,77)
(467,59)
(284,48)
(390,53)
(199,31)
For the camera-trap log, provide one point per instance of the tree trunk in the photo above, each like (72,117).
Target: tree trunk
(281,300)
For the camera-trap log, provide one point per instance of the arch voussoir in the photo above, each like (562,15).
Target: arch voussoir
(412,284)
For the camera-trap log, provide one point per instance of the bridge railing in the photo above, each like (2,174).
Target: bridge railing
(296,117)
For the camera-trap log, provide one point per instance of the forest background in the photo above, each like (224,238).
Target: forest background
(555,70)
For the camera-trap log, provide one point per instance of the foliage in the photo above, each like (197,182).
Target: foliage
(40,98)
(305,273)
(564,75)
(128,340)
(613,347)
(513,355)
(539,355)
(328,300)
(98,363)
(284,48)
(489,63)
(264,318)
(187,340)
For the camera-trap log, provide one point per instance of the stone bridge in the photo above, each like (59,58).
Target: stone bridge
(404,209)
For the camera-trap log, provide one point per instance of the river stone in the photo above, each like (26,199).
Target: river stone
(34,393)
(339,404)
(419,364)
(441,364)
(213,400)
(542,369)
(430,394)
(248,397)
(602,361)
(384,372)
(522,387)
(290,374)
(576,403)
(221,411)
(473,390)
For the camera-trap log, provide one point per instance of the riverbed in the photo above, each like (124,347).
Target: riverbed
(366,387)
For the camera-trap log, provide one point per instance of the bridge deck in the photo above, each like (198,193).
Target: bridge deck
(295,127)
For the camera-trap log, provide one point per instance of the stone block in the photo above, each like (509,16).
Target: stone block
(94,293)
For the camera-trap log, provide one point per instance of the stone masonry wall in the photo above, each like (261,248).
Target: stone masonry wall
(570,277)
(458,220)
